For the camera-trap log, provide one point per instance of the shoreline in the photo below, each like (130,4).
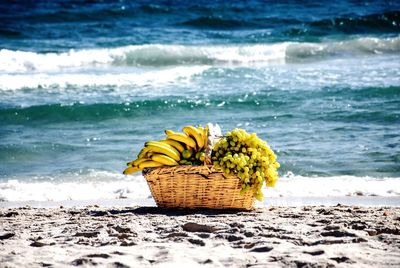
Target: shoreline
(373,201)
(275,236)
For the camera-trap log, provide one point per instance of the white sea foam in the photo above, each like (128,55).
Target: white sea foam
(95,185)
(108,185)
(293,186)
(155,78)
(166,55)
(140,55)
(359,46)
(378,71)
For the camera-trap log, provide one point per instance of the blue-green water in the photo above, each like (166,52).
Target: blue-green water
(84,84)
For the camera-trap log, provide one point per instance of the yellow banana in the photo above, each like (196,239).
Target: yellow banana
(150,164)
(163,159)
(130,170)
(182,138)
(136,162)
(204,132)
(201,129)
(159,143)
(174,144)
(163,149)
(196,134)
(169,132)
(143,152)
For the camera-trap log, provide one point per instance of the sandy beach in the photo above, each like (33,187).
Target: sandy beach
(302,97)
(275,236)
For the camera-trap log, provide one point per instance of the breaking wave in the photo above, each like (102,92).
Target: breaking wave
(169,55)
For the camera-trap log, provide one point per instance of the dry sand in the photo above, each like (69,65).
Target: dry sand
(302,236)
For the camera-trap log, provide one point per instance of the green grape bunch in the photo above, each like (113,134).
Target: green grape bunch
(248,157)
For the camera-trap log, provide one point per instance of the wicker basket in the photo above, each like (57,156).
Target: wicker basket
(196,187)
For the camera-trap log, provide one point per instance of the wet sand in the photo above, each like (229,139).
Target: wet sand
(276,236)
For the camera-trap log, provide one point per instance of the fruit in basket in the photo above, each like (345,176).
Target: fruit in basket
(130,170)
(183,138)
(196,134)
(178,148)
(175,144)
(201,156)
(163,148)
(149,164)
(187,154)
(163,159)
(247,156)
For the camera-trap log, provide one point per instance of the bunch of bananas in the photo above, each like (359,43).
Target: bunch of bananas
(178,148)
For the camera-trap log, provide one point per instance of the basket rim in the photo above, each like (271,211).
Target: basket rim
(184,169)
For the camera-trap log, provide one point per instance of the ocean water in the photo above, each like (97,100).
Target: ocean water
(83,84)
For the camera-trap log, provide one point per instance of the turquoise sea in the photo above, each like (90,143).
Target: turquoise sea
(83,84)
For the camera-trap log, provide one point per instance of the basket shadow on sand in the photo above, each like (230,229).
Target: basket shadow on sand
(169,211)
